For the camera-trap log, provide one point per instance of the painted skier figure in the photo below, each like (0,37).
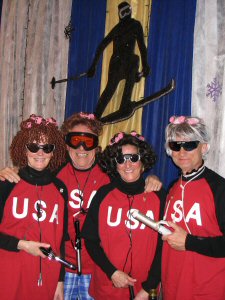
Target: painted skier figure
(124,63)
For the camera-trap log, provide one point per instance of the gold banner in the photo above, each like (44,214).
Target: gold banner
(141,11)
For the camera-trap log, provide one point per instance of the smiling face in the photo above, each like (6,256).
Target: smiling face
(130,171)
(187,161)
(39,160)
(81,158)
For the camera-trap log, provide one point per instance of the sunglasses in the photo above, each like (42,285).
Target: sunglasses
(34,148)
(122,158)
(188,146)
(88,140)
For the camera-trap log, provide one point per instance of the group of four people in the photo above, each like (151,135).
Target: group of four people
(98,190)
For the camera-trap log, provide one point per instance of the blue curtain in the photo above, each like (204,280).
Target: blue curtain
(88,22)
(170,50)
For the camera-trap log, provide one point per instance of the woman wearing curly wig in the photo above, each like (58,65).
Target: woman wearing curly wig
(33,214)
(126,252)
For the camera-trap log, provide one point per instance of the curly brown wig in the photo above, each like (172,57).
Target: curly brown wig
(107,157)
(86,119)
(36,128)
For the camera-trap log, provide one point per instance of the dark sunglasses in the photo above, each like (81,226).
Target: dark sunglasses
(34,148)
(188,146)
(88,140)
(122,158)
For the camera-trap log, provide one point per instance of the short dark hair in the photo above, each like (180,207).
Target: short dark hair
(86,119)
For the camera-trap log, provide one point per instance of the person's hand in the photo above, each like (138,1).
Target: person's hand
(59,293)
(177,239)
(91,71)
(144,73)
(121,279)
(152,184)
(142,295)
(32,247)
(138,76)
(11,174)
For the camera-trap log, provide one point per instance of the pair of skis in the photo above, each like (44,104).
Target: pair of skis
(122,115)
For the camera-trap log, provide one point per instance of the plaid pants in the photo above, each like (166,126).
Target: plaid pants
(76,287)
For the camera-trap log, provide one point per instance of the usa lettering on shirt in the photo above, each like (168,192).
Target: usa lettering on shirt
(178,214)
(76,197)
(130,222)
(26,208)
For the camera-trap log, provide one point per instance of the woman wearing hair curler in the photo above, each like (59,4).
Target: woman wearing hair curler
(193,259)
(33,214)
(126,252)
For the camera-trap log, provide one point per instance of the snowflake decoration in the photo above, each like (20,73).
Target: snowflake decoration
(214,89)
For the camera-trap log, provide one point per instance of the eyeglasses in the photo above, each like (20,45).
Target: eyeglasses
(88,140)
(122,158)
(188,146)
(34,148)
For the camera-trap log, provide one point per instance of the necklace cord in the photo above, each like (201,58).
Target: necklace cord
(40,231)
(129,233)
(81,191)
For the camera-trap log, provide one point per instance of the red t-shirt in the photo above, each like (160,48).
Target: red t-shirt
(189,275)
(87,183)
(19,270)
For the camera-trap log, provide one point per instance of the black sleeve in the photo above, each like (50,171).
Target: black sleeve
(154,274)
(98,255)
(90,233)
(7,242)
(209,246)
(5,187)
(162,197)
(212,246)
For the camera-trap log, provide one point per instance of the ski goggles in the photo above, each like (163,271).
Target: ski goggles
(122,158)
(125,11)
(34,148)
(88,140)
(188,146)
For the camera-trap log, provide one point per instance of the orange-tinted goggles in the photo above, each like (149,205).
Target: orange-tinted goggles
(88,140)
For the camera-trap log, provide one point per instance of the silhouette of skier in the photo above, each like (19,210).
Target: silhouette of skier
(124,63)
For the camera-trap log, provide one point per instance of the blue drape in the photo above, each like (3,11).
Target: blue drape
(88,21)
(170,50)
(169,54)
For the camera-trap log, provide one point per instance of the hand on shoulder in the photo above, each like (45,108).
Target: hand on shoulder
(10,174)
